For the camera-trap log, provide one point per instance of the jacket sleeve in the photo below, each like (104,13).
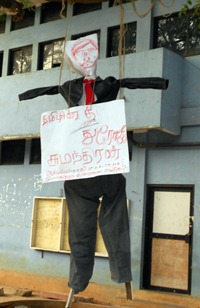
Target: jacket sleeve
(145,83)
(39,92)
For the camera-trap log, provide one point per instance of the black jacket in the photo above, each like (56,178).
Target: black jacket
(105,89)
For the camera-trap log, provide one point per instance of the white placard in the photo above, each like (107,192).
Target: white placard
(84,141)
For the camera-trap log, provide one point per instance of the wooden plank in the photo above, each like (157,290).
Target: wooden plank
(169,266)
(46,223)
(65,242)
(49,228)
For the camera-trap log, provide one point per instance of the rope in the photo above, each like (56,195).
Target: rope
(121,47)
(166,6)
(62,9)
(142,15)
(66,38)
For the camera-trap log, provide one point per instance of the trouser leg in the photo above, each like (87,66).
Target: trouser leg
(82,204)
(114,225)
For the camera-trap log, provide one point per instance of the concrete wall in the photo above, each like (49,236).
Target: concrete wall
(19,184)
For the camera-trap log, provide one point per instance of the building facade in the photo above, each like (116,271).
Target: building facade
(163,183)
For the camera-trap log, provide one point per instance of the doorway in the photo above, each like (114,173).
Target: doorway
(168,238)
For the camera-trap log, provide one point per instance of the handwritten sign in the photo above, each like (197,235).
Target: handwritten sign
(84,142)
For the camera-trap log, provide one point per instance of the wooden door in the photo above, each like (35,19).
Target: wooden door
(168,239)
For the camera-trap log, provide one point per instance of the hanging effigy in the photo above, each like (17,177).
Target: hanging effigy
(83,194)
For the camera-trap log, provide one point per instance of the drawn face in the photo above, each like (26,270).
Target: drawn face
(85,52)
(83,55)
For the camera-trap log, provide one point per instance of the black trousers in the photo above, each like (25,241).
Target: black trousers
(83,201)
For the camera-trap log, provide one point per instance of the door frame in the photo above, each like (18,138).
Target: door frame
(148,235)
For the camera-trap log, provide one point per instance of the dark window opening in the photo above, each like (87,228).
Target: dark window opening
(52,11)
(129,40)
(13,152)
(179,34)
(26,21)
(81,8)
(35,155)
(50,54)
(20,60)
(1,63)
(2,25)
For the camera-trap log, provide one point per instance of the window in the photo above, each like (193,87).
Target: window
(26,21)
(35,155)
(129,42)
(179,34)
(2,25)
(12,152)
(51,54)
(20,60)
(81,8)
(1,62)
(52,11)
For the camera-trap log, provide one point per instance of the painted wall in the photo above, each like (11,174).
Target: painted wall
(19,184)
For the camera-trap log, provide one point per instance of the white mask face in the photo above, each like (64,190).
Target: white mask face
(81,55)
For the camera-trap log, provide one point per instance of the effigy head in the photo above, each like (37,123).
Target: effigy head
(81,55)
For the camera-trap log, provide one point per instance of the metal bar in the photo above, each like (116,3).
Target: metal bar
(70,298)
